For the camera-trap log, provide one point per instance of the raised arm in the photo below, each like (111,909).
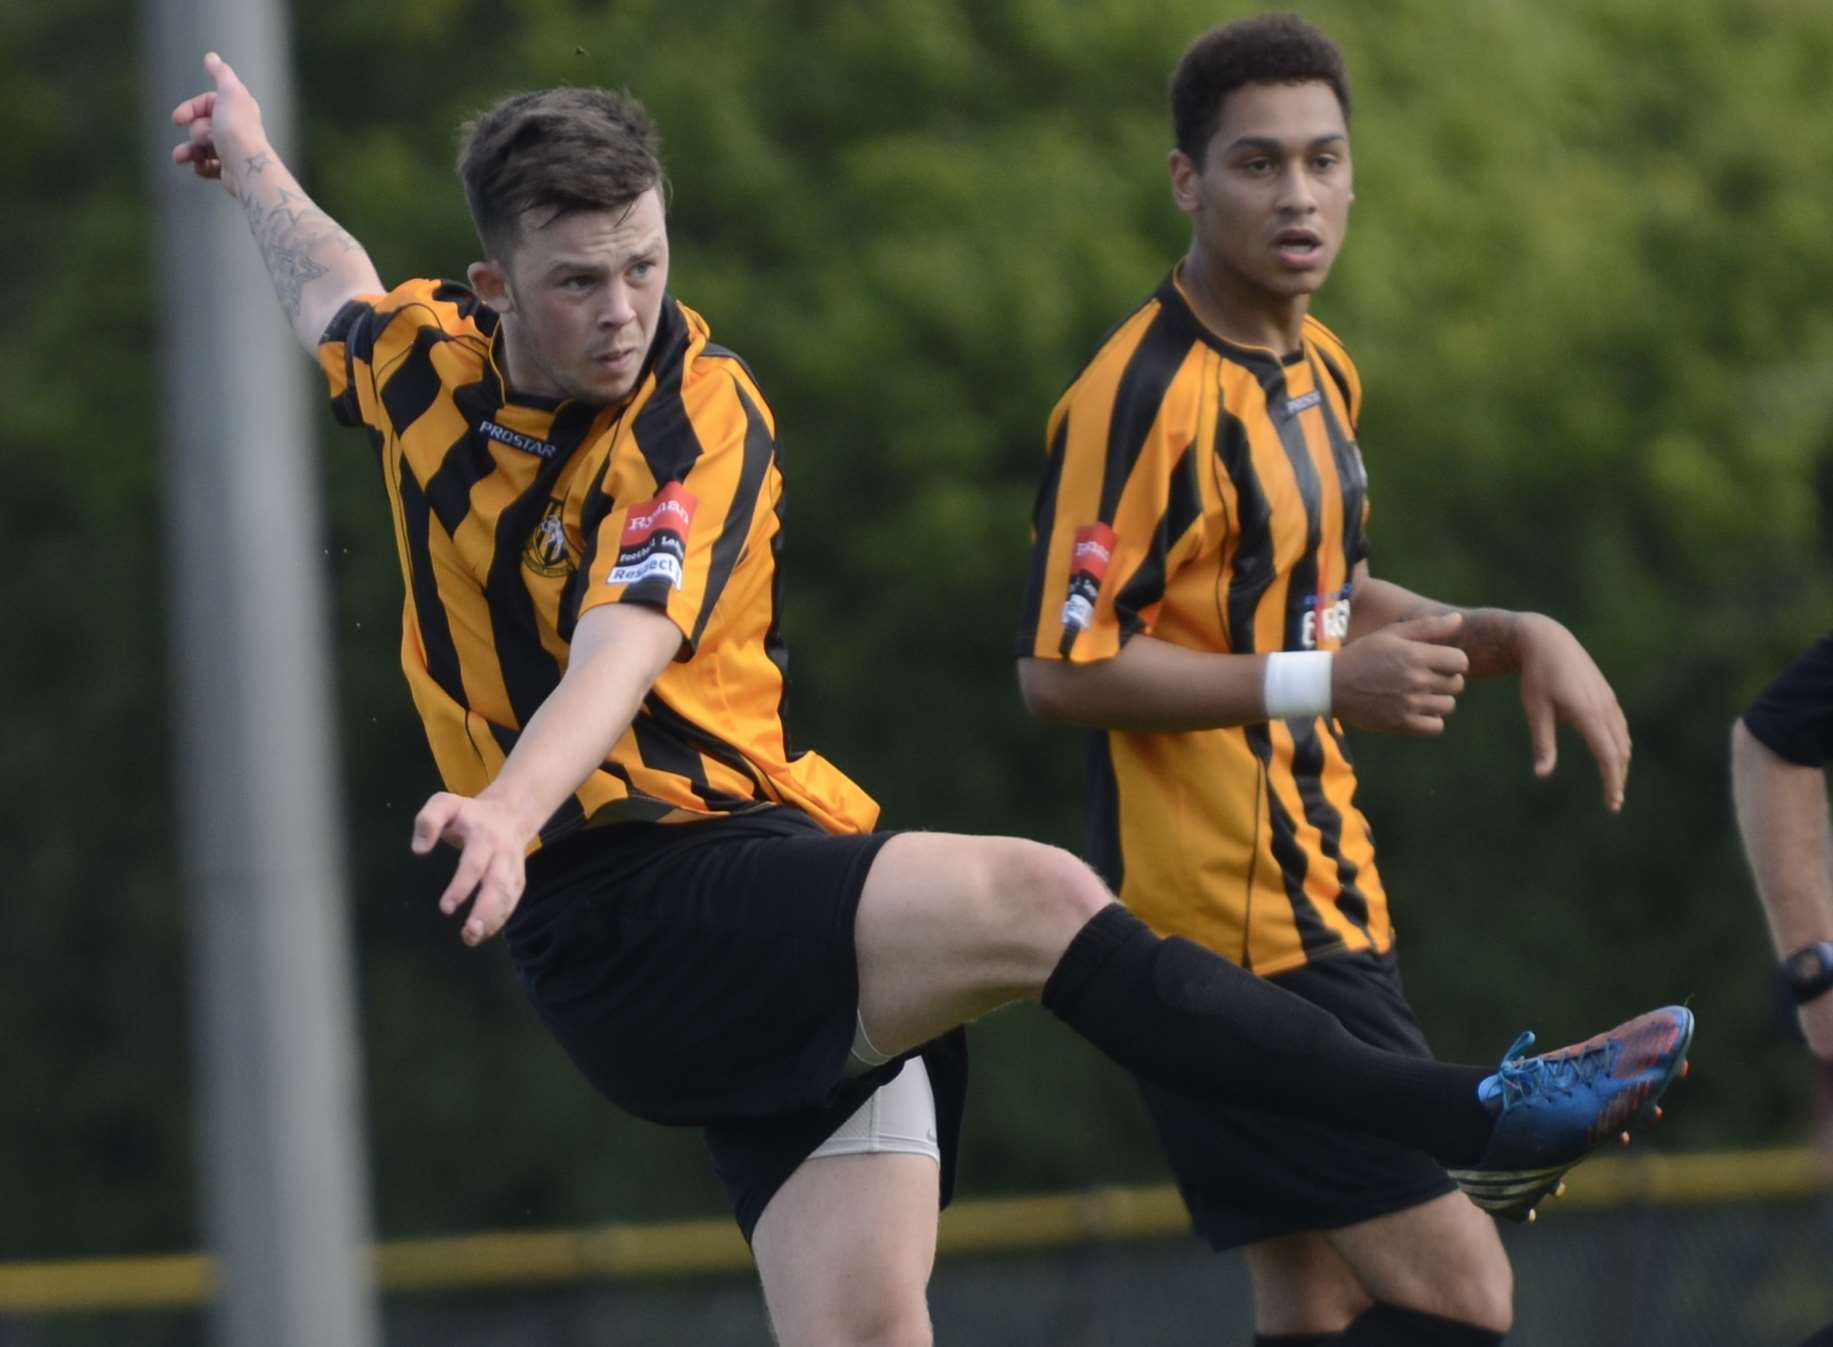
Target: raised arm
(315,266)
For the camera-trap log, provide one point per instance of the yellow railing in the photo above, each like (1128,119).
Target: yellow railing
(684,1248)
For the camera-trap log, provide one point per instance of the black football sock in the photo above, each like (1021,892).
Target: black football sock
(1392,1326)
(1191,1022)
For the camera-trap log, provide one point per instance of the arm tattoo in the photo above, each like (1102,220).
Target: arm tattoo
(256,162)
(293,235)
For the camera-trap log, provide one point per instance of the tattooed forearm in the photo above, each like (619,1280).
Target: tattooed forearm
(1487,635)
(297,240)
(315,266)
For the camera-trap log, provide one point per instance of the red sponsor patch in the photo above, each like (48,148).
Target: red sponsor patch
(672,511)
(653,545)
(1093,550)
(1088,561)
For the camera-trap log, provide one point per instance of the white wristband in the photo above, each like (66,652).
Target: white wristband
(1298,684)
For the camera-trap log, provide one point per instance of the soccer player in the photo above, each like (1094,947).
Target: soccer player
(1779,750)
(1200,590)
(1780,747)
(588,508)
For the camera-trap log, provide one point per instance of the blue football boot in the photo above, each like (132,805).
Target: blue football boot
(1551,1110)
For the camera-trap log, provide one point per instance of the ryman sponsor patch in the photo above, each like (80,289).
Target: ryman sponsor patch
(654,541)
(1088,561)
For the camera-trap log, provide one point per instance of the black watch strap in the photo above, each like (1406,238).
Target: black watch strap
(1808,972)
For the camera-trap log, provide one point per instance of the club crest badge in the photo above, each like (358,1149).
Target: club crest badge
(548,552)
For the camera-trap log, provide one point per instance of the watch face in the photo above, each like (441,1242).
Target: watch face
(1810,971)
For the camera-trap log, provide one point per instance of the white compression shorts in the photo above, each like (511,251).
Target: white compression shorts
(900,1116)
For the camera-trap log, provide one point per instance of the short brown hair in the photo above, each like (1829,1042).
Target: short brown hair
(1269,49)
(559,151)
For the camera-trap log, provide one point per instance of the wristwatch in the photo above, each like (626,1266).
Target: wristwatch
(1808,972)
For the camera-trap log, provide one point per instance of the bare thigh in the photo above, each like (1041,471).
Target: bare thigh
(845,1250)
(950,927)
(1302,1285)
(1442,1257)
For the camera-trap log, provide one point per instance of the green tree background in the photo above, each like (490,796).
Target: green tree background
(1585,286)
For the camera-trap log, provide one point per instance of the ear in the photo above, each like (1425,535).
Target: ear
(491,282)
(1186,182)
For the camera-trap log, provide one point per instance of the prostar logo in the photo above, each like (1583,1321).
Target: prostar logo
(528,444)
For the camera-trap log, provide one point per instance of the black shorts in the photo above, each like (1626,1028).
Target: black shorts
(1248,1176)
(704,974)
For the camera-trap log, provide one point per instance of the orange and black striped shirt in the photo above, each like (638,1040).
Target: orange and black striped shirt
(514,515)
(1213,496)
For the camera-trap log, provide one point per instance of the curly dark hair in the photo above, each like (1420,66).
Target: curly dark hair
(1268,49)
(557,151)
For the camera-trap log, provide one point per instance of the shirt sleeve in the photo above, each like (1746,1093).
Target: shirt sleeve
(345,355)
(1118,511)
(1342,373)
(367,339)
(1793,716)
(673,533)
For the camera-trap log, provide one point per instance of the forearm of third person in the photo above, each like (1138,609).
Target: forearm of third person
(618,652)
(1782,817)
(315,265)
(1150,685)
(1488,636)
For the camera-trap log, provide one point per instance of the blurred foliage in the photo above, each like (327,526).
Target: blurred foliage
(1585,289)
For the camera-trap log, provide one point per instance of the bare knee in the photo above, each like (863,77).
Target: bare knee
(908,1328)
(1475,1285)
(845,1248)
(951,927)
(1486,1306)
(873,1306)
(1469,1281)
(1302,1286)
(1037,897)
(1015,909)
(874,1324)
(1483,1295)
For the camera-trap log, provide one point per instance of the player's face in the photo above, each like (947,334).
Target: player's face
(1269,204)
(585,294)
